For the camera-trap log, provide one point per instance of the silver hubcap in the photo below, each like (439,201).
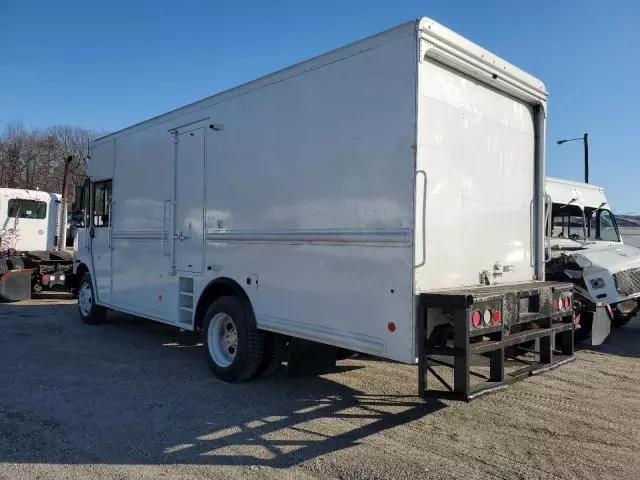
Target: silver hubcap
(222,338)
(85,299)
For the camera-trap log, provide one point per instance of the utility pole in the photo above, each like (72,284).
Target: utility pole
(62,211)
(586,158)
(585,141)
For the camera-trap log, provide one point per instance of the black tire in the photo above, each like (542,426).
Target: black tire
(620,320)
(71,285)
(250,341)
(15,263)
(586,323)
(274,353)
(95,315)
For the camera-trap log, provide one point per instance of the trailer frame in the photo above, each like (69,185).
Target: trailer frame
(547,326)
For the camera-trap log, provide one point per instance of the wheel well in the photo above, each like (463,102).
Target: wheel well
(81,269)
(221,287)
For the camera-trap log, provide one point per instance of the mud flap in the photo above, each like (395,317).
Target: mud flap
(601,327)
(307,358)
(15,285)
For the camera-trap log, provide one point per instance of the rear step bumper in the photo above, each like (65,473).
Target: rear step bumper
(531,312)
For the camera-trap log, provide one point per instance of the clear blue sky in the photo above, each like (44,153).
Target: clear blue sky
(106,65)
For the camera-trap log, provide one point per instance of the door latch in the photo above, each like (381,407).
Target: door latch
(181,236)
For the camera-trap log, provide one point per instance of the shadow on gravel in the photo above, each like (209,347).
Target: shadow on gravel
(137,392)
(624,341)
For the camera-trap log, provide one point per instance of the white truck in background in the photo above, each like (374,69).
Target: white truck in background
(386,197)
(30,223)
(585,247)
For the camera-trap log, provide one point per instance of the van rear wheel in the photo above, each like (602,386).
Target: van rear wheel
(233,345)
(274,352)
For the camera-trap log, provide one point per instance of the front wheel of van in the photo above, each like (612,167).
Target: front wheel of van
(90,313)
(233,345)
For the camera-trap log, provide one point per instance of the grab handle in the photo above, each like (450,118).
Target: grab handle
(422,214)
(165,230)
(110,226)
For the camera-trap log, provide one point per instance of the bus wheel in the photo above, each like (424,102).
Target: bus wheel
(233,345)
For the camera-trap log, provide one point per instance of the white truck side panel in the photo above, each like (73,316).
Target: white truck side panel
(336,160)
(476,149)
(308,190)
(141,213)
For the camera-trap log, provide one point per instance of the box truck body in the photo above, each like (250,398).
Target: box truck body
(329,196)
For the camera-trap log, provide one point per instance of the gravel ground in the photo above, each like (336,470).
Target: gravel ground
(133,400)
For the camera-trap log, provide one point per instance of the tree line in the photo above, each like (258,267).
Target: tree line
(34,158)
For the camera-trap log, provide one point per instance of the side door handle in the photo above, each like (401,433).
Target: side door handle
(181,235)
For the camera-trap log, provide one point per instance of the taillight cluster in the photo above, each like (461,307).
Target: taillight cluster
(562,303)
(486,318)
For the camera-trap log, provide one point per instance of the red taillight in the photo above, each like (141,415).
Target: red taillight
(45,278)
(391,327)
(567,302)
(555,304)
(497,316)
(476,318)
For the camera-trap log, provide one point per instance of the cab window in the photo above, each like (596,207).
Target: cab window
(101,203)
(24,208)
(607,230)
(568,222)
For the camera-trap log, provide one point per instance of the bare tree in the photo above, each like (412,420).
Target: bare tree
(12,148)
(34,158)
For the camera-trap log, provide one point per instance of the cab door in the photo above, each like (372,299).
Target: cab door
(100,233)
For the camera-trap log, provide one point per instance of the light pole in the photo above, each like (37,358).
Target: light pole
(585,139)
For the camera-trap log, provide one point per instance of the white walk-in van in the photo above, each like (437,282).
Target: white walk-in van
(386,198)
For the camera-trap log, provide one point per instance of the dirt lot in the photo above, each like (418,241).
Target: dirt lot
(132,399)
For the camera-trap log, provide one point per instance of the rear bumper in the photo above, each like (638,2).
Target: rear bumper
(530,313)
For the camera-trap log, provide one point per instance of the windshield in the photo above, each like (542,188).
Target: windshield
(568,222)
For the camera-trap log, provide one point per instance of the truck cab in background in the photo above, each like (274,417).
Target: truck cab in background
(30,223)
(584,246)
